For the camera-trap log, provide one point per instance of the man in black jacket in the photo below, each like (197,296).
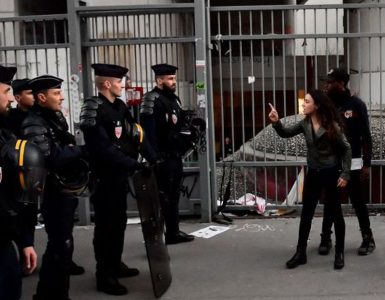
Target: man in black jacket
(113,140)
(161,115)
(24,98)
(357,130)
(12,228)
(46,126)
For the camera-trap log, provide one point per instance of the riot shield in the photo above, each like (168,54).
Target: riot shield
(146,192)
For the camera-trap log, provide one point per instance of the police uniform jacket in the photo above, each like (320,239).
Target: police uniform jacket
(14,120)
(49,130)
(12,225)
(161,117)
(104,125)
(355,116)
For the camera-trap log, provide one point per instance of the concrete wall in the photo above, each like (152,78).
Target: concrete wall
(7,8)
(368,56)
(319,21)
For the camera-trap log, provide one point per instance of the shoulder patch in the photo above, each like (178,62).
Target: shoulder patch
(35,130)
(147,105)
(88,112)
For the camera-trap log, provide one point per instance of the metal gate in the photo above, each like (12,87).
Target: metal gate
(275,54)
(232,61)
(139,37)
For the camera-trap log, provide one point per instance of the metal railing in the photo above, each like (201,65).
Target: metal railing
(275,54)
(232,61)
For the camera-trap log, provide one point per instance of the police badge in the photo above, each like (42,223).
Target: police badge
(118,130)
(348,114)
(174,118)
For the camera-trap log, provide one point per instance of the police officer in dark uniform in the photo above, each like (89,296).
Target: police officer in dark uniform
(46,126)
(355,115)
(24,98)
(161,118)
(12,226)
(112,140)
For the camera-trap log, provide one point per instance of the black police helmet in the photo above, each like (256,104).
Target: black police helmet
(73,177)
(24,167)
(135,132)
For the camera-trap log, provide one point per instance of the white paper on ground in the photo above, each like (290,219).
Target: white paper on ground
(357,164)
(133,221)
(210,231)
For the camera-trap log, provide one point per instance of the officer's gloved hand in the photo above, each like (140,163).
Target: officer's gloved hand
(200,123)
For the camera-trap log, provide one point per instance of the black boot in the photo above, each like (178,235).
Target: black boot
(368,245)
(179,237)
(325,245)
(76,269)
(124,271)
(111,286)
(299,258)
(339,261)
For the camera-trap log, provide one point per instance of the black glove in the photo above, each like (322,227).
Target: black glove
(200,123)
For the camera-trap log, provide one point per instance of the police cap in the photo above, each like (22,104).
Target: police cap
(45,82)
(19,85)
(164,69)
(108,70)
(337,74)
(6,74)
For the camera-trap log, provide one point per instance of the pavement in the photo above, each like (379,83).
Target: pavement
(245,262)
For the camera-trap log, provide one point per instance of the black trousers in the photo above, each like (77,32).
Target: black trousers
(10,272)
(110,205)
(169,179)
(316,182)
(58,213)
(358,200)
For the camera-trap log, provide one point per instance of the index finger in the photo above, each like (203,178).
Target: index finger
(271,106)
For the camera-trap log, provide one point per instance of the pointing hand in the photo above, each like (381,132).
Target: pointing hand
(273,115)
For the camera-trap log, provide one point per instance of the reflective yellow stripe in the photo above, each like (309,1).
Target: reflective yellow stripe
(21,178)
(17,147)
(21,157)
(140,132)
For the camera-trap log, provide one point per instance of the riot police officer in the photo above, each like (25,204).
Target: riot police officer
(108,129)
(12,227)
(24,98)
(46,126)
(161,118)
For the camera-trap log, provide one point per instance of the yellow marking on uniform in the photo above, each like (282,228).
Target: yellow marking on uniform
(21,157)
(140,132)
(21,178)
(17,147)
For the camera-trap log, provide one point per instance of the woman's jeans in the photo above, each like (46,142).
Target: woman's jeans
(316,182)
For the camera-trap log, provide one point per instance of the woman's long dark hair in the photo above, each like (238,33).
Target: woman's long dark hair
(327,113)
